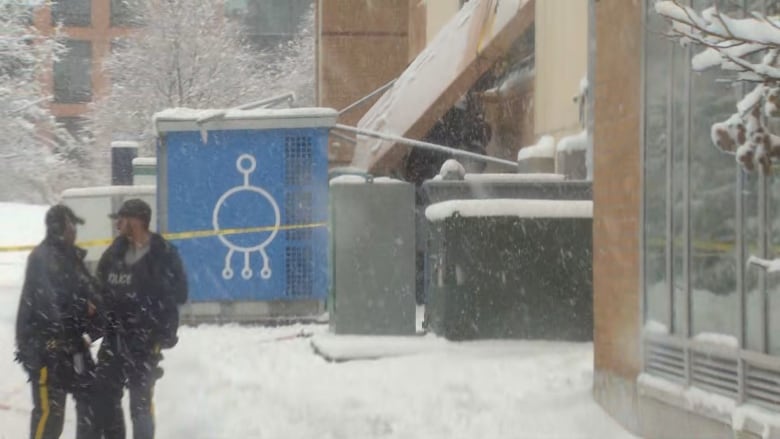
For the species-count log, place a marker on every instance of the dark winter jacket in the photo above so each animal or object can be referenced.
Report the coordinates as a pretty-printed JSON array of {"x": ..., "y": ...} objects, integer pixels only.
[
  {"x": 53, "y": 311},
  {"x": 141, "y": 301}
]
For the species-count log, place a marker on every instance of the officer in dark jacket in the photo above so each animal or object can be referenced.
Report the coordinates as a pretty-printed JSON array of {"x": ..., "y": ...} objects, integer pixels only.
[
  {"x": 144, "y": 282},
  {"x": 52, "y": 325}
]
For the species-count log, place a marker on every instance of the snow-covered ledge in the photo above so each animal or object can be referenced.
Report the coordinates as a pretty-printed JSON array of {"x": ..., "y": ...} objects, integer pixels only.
[
  {"x": 770, "y": 265},
  {"x": 745, "y": 417}
]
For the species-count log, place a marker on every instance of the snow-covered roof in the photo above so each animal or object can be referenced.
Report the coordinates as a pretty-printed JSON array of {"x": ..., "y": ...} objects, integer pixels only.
[
  {"x": 511, "y": 207},
  {"x": 124, "y": 144},
  {"x": 102, "y": 191},
  {"x": 188, "y": 119},
  {"x": 465, "y": 48},
  {"x": 145, "y": 161}
]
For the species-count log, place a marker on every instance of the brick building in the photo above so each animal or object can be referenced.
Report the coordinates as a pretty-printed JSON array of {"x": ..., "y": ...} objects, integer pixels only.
[{"x": 91, "y": 28}]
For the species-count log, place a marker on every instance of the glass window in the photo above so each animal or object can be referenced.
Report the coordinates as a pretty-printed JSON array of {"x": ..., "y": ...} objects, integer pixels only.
[
  {"x": 269, "y": 22},
  {"x": 127, "y": 13},
  {"x": 773, "y": 279},
  {"x": 680, "y": 67},
  {"x": 713, "y": 189},
  {"x": 713, "y": 211},
  {"x": 750, "y": 238},
  {"x": 71, "y": 12},
  {"x": 73, "y": 73},
  {"x": 657, "y": 293}
]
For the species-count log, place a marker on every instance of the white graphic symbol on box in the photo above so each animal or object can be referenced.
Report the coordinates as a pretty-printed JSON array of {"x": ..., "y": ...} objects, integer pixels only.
[{"x": 246, "y": 164}]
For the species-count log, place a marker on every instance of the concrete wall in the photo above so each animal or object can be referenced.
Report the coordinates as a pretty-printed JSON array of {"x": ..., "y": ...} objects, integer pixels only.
[
  {"x": 561, "y": 63},
  {"x": 616, "y": 213}
]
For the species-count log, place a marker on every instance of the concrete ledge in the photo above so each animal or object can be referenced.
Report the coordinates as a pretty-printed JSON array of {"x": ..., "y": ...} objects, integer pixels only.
[
  {"x": 273, "y": 312},
  {"x": 661, "y": 420},
  {"x": 618, "y": 397},
  {"x": 671, "y": 410}
]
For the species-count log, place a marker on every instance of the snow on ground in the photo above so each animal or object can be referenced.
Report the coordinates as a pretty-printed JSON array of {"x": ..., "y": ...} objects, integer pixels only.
[
  {"x": 24, "y": 227},
  {"x": 240, "y": 381}
]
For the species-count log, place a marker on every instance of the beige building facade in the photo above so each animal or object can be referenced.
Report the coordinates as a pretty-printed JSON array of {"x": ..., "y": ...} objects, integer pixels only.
[{"x": 561, "y": 65}]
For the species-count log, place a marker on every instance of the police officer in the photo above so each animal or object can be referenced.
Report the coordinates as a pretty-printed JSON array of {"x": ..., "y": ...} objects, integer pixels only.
[
  {"x": 144, "y": 282},
  {"x": 52, "y": 325}
]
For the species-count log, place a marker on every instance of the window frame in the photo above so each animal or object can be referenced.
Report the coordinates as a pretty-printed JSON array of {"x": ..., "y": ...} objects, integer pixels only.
[
  {"x": 67, "y": 18},
  {"x": 744, "y": 358},
  {"x": 74, "y": 97}
]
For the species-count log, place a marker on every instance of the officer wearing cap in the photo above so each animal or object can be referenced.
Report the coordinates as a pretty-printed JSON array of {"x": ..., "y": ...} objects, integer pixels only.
[
  {"x": 144, "y": 282},
  {"x": 55, "y": 311}
]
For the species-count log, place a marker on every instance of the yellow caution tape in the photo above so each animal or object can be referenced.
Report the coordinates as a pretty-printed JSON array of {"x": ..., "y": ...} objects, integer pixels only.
[
  {"x": 698, "y": 246},
  {"x": 180, "y": 236}
]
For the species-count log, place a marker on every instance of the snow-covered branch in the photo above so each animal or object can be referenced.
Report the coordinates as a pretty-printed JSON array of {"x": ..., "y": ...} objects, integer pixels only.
[
  {"x": 35, "y": 152},
  {"x": 189, "y": 55},
  {"x": 748, "y": 48}
]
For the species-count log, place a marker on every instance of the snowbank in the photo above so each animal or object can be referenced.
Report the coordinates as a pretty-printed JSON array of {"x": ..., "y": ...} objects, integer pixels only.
[
  {"x": 511, "y": 207},
  {"x": 545, "y": 148},
  {"x": 258, "y": 382}
]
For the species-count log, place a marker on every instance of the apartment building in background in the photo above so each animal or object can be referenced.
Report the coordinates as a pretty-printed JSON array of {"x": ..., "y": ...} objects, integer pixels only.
[{"x": 93, "y": 28}]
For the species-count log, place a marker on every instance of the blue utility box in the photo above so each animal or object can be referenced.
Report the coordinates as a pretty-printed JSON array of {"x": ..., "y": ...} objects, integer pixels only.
[{"x": 244, "y": 196}]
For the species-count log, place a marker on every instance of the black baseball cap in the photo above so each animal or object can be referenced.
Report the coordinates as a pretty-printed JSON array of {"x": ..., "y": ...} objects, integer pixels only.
[
  {"x": 58, "y": 214},
  {"x": 134, "y": 208}
]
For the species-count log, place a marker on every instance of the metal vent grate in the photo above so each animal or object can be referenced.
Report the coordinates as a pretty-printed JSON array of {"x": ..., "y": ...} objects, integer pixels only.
[
  {"x": 665, "y": 361},
  {"x": 298, "y": 209},
  {"x": 299, "y": 269},
  {"x": 298, "y": 160},
  {"x": 716, "y": 374},
  {"x": 762, "y": 386}
]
